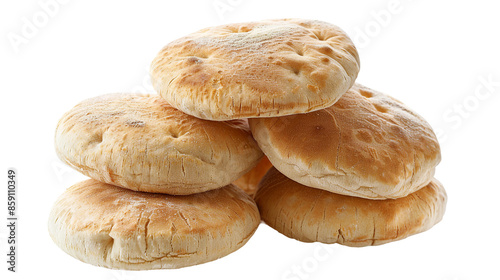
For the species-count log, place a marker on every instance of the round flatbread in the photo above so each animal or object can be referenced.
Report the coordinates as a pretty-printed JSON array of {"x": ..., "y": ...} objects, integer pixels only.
[
  {"x": 113, "y": 227},
  {"x": 314, "y": 215},
  {"x": 367, "y": 144},
  {"x": 142, "y": 143},
  {"x": 256, "y": 69}
]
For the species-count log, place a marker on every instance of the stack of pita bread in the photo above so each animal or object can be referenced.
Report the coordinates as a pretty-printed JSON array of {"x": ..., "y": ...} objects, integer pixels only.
[{"x": 251, "y": 120}]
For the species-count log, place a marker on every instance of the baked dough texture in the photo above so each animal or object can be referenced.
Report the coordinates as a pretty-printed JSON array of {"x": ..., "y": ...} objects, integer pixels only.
[
  {"x": 256, "y": 69},
  {"x": 140, "y": 142},
  {"x": 314, "y": 215},
  {"x": 367, "y": 144},
  {"x": 250, "y": 180},
  {"x": 113, "y": 227}
]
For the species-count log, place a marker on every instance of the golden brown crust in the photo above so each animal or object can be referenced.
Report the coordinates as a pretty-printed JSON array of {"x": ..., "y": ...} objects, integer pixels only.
[
  {"x": 109, "y": 226},
  {"x": 140, "y": 142},
  {"x": 367, "y": 144},
  {"x": 310, "y": 214},
  {"x": 250, "y": 180},
  {"x": 256, "y": 69}
]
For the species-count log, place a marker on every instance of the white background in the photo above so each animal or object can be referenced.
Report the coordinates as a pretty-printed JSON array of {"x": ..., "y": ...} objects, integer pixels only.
[{"x": 436, "y": 56}]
